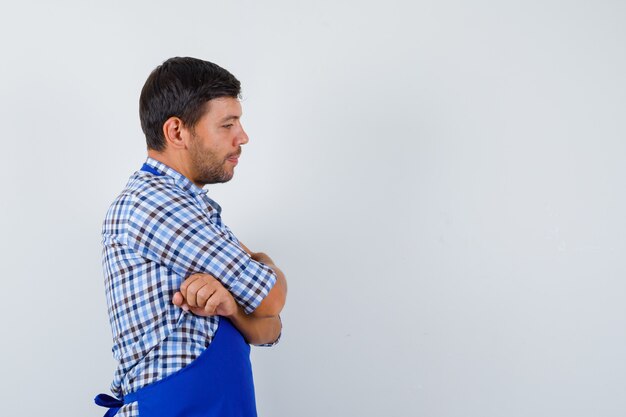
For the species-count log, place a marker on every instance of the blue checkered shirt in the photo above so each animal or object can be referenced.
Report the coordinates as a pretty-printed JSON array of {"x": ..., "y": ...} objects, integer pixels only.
[{"x": 157, "y": 232}]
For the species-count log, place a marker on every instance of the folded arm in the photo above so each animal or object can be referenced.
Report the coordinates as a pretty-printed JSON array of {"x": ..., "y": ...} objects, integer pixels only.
[
  {"x": 206, "y": 296},
  {"x": 183, "y": 241}
]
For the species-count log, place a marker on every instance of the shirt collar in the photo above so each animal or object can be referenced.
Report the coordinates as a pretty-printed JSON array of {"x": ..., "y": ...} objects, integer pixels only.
[{"x": 179, "y": 179}]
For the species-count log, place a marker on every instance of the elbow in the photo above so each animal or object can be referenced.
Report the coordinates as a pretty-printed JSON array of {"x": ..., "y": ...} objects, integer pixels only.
[
  {"x": 273, "y": 304},
  {"x": 270, "y": 306},
  {"x": 270, "y": 334}
]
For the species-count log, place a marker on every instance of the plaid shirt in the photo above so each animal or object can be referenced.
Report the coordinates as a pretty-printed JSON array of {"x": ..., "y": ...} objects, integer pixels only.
[{"x": 158, "y": 231}]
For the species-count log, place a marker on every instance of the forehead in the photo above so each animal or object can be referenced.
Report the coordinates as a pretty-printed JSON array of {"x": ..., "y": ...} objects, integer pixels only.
[{"x": 222, "y": 108}]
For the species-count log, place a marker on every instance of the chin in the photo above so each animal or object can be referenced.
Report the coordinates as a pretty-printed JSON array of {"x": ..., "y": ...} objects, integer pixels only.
[{"x": 220, "y": 180}]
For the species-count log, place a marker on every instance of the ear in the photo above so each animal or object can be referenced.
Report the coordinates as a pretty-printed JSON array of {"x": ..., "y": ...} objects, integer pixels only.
[{"x": 175, "y": 133}]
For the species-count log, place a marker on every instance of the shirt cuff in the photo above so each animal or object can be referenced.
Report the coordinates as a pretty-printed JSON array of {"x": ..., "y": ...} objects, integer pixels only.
[{"x": 252, "y": 285}]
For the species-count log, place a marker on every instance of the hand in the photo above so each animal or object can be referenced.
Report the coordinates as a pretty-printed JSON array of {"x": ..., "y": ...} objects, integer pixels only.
[{"x": 205, "y": 296}]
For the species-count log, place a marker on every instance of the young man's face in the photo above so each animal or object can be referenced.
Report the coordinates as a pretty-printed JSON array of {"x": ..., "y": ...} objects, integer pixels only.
[{"x": 215, "y": 143}]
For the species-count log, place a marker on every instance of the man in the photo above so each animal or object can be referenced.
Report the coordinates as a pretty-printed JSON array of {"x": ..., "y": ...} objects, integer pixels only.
[{"x": 182, "y": 344}]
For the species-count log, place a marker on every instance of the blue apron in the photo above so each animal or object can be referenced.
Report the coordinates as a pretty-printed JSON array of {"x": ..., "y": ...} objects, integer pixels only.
[{"x": 217, "y": 383}]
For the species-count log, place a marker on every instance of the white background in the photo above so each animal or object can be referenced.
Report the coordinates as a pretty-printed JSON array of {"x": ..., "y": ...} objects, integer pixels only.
[{"x": 441, "y": 181}]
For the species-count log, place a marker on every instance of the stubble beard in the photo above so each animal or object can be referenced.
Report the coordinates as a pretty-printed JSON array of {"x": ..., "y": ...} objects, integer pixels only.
[{"x": 209, "y": 168}]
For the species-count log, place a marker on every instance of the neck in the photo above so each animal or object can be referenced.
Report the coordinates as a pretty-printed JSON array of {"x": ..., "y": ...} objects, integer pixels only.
[{"x": 173, "y": 161}]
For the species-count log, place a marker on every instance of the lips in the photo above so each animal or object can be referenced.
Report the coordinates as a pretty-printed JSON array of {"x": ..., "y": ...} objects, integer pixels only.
[{"x": 234, "y": 157}]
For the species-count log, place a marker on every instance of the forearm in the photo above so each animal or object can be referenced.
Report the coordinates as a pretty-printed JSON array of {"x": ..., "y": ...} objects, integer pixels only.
[
  {"x": 205, "y": 296},
  {"x": 256, "y": 330},
  {"x": 273, "y": 304},
  {"x": 280, "y": 277}
]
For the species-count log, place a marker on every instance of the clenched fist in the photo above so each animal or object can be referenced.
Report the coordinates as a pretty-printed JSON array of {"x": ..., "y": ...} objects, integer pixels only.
[{"x": 205, "y": 296}]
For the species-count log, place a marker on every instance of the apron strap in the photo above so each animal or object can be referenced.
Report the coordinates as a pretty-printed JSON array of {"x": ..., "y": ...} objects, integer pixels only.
[
  {"x": 151, "y": 170},
  {"x": 112, "y": 403}
]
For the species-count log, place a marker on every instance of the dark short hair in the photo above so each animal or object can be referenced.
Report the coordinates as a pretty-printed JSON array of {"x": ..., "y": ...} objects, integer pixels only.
[{"x": 181, "y": 87}]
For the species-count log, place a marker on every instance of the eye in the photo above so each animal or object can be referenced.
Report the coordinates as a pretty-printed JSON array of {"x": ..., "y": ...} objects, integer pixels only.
[{"x": 228, "y": 126}]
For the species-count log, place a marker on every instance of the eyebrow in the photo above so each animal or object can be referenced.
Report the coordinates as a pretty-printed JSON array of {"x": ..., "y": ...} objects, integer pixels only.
[{"x": 229, "y": 118}]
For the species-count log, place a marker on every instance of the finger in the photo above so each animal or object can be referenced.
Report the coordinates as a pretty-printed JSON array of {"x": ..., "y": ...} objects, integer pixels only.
[
  {"x": 196, "y": 288},
  {"x": 229, "y": 306},
  {"x": 210, "y": 308},
  {"x": 189, "y": 280},
  {"x": 192, "y": 292},
  {"x": 219, "y": 297},
  {"x": 204, "y": 294},
  {"x": 178, "y": 299}
]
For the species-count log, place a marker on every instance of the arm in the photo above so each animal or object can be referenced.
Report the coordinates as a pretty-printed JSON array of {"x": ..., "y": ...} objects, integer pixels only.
[
  {"x": 257, "y": 330},
  {"x": 205, "y": 296},
  {"x": 180, "y": 238},
  {"x": 274, "y": 302}
]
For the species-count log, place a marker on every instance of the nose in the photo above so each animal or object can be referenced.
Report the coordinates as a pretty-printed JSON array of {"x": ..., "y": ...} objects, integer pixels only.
[{"x": 242, "y": 138}]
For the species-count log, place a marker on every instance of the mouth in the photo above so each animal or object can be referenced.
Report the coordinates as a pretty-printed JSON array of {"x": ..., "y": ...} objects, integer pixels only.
[{"x": 234, "y": 158}]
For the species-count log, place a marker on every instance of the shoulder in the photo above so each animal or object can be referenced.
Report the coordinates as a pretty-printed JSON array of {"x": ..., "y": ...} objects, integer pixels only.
[
  {"x": 160, "y": 199},
  {"x": 146, "y": 192},
  {"x": 146, "y": 189}
]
